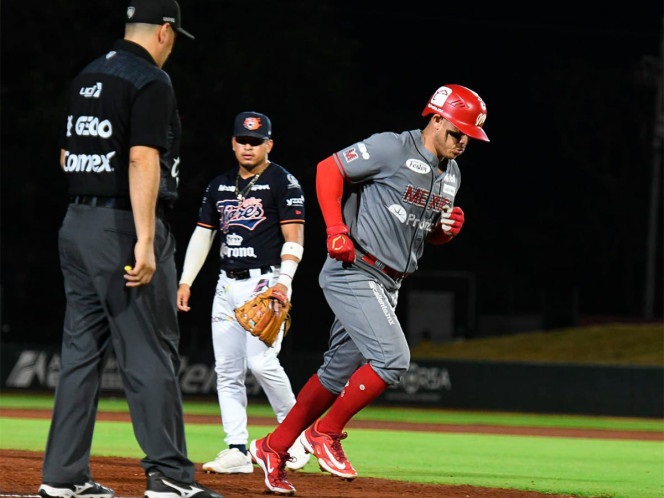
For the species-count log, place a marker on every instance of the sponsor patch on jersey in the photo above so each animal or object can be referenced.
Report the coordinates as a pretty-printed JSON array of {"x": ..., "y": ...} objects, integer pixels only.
[
  {"x": 237, "y": 252},
  {"x": 449, "y": 189},
  {"x": 399, "y": 211},
  {"x": 88, "y": 163},
  {"x": 295, "y": 201},
  {"x": 89, "y": 126},
  {"x": 449, "y": 178},
  {"x": 292, "y": 181},
  {"x": 364, "y": 151},
  {"x": 233, "y": 239},
  {"x": 350, "y": 155},
  {"x": 418, "y": 166},
  {"x": 91, "y": 92}
]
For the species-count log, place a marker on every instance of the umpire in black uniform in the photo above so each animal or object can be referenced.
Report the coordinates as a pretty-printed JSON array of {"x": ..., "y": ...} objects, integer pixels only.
[{"x": 120, "y": 156}]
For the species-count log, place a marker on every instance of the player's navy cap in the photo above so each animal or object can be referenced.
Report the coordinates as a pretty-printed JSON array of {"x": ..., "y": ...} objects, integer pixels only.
[
  {"x": 252, "y": 124},
  {"x": 157, "y": 12}
]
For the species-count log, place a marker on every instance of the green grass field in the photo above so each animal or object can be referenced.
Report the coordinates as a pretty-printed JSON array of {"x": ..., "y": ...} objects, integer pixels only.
[{"x": 576, "y": 466}]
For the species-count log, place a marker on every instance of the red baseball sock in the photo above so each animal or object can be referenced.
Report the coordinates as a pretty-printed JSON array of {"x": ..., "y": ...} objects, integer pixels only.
[
  {"x": 312, "y": 401},
  {"x": 363, "y": 387}
]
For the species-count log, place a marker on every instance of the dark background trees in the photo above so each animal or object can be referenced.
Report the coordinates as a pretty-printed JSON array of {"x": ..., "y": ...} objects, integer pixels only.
[{"x": 559, "y": 205}]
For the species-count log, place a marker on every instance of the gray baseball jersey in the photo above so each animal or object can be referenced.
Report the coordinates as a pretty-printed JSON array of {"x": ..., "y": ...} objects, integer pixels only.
[{"x": 398, "y": 195}]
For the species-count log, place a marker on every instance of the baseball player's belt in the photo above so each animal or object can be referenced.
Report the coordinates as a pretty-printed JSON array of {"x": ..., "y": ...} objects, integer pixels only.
[
  {"x": 122, "y": 203},
  {"x": 371, "y": 260},
  {"x": 248, "y": 272}
]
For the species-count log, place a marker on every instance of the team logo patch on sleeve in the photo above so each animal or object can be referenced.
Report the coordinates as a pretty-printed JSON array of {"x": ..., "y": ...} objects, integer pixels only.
[{"x": 350, "y": 155}]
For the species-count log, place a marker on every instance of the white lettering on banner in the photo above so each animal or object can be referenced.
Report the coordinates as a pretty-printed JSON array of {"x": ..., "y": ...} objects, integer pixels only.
[
  {"x": 86, "y": 163},
  {"x": 198, "y": 378},
  {"x": 419, "y": 378},
  {"x": 70, "y": 124},
  {"x": 29, "y": 366},
  {"x": 91, "y": 126},
  {"x": 34, "y": 366},
  {"x": 41, "y": 369}
]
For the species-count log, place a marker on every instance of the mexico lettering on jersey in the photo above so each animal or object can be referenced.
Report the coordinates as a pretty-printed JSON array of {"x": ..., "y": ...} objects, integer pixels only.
[
  {"x": 250, "y": 229},
  {"x": 398, "y": 195}
]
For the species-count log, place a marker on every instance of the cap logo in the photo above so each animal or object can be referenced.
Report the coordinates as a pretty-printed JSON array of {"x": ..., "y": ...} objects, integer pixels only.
[
  {"x": 252, "y": 123},
  {"x": 130, "y": 12},
  {"x": 481, "y": 118},
  {"x": 169, "y": 19}
]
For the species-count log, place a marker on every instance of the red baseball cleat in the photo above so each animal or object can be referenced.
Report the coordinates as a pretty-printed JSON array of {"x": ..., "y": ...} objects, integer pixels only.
[
  {"x": 273, "y": 464},
  {"x": 327, "y": 448}
]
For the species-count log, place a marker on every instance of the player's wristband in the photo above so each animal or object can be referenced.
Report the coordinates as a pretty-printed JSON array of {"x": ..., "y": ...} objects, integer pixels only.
[
  {"x": 287, "y": 272},
  {"x": 293, "y": 249}
]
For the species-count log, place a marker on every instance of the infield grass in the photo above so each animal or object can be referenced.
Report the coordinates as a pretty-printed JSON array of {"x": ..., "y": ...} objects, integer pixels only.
[{"x": 577, "y": 466}]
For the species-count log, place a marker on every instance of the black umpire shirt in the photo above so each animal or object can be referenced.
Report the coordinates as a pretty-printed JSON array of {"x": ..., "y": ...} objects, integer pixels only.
[{"x": 120, "y": 100}]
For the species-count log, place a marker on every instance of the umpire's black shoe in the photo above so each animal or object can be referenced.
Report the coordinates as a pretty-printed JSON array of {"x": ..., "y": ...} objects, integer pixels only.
[
  {"x": 88, "y": 489},
  {"x": 160, "y": 486}
]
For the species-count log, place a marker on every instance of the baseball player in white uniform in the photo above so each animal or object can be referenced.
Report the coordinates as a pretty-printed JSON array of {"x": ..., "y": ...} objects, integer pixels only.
[{"x": 257, "y": 208}]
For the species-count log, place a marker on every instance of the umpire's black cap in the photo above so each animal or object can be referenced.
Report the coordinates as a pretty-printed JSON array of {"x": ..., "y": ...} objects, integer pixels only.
[
  {"x": 157, "y": 12},
  {"x": 252, "y": 124}
]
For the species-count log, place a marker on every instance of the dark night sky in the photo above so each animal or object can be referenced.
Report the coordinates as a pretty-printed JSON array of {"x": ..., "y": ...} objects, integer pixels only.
[{"x": 556, "y": 204}]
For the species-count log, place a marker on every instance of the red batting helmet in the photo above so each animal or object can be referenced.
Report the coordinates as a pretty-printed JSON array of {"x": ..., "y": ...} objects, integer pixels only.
[{"x": 460, "y": 106}]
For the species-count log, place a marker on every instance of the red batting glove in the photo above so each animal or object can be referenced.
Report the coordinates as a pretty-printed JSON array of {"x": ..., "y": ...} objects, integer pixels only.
[
  {"x": 339, "y": 245},
  {"x": 453, "y": 221}
]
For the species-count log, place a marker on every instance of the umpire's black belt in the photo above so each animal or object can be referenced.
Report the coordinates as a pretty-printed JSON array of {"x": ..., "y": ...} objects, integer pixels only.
[
  {"x": 371, "y": 260},
  {"x": 248, "y": 272},
  {"x": 123, "y": 203}
]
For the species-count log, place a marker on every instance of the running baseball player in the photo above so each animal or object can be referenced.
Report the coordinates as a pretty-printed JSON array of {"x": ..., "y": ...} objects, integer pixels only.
[
  {"x": 257, "y": 208},
  {"x": 381, "y": 198}
]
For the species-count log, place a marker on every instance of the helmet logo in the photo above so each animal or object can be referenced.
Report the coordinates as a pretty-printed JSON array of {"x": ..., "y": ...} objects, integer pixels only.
[
  {"x": 481, "y": 118},
  {"x": 440, "y": 96}
]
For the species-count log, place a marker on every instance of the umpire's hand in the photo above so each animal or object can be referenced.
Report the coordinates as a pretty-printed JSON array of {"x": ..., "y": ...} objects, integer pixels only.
[{"x": 144, "y": 268}]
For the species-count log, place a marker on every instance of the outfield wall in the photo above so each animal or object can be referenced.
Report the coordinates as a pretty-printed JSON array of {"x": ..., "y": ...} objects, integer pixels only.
[{"x": 500, "y": 386}]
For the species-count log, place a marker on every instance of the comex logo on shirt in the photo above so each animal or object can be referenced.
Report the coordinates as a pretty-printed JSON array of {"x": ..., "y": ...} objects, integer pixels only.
[{"x": 91, "y": 92}]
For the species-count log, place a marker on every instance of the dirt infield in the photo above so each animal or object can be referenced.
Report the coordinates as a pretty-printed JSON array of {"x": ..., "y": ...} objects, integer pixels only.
[{"x": 20, "y": 471}]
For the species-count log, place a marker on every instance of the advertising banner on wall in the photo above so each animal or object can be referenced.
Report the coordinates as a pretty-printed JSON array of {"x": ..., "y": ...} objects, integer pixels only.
[{"x": 455, "y": 384}]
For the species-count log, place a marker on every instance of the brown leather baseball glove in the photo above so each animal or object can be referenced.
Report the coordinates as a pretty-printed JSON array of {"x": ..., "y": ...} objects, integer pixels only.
[{"x": 264, "y": 314}]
